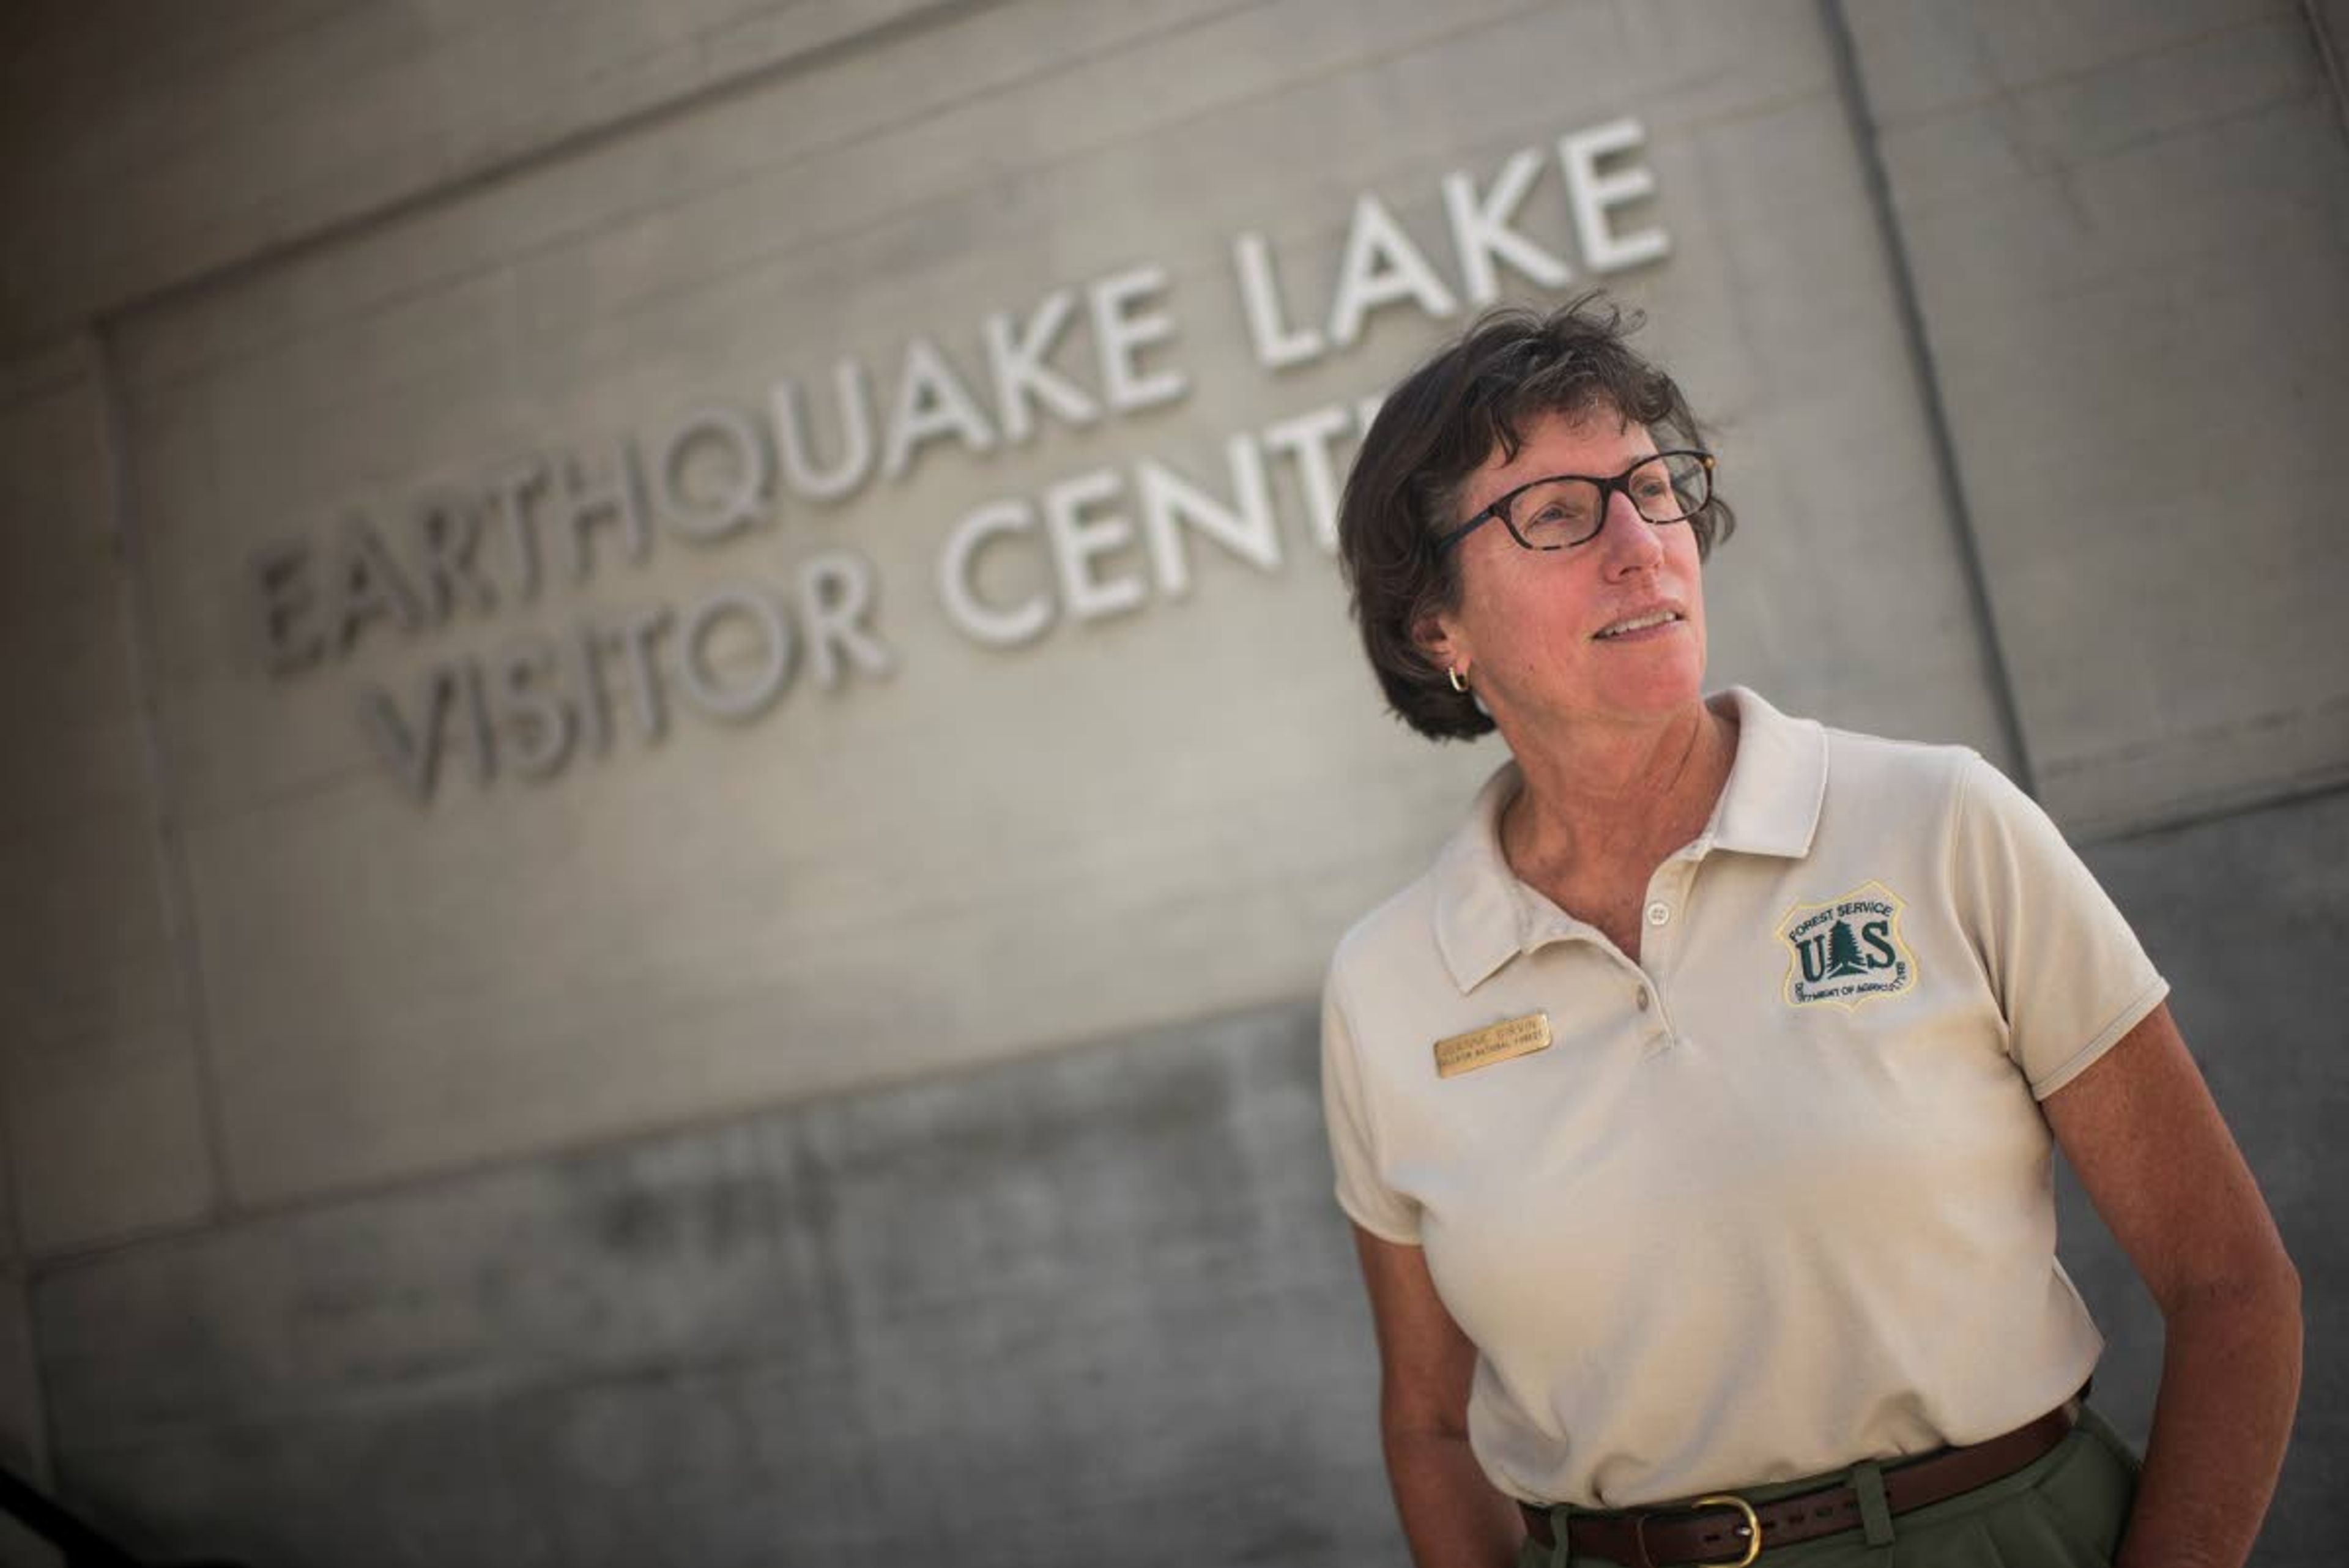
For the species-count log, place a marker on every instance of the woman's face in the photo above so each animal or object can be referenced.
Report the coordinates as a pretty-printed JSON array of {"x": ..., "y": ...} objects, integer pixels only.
[{"x": 1542, "y": 635}]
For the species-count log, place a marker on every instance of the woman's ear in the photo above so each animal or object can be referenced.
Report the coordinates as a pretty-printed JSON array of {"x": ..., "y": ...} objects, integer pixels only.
[{"x": 1438, "y": 640}]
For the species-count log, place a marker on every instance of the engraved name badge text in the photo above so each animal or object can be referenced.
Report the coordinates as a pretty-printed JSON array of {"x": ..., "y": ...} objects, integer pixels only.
[{"x": 1503, "y": 1041}]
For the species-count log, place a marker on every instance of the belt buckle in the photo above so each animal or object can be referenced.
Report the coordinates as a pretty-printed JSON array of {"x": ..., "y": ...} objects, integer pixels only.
[{"x": 1753, "y": 1528}]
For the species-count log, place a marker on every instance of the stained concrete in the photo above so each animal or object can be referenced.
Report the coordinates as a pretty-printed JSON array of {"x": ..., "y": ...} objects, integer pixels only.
[
  {"x": 1093, "y": 1307},
  {"x": 2247, "y": 916}
]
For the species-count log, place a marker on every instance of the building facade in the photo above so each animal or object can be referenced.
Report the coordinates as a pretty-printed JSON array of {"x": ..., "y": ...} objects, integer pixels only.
[{"x": 684, "y": 745}]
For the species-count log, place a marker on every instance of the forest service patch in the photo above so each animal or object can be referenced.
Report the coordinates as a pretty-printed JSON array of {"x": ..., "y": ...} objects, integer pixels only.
[{"x": 1848, "y": 950}]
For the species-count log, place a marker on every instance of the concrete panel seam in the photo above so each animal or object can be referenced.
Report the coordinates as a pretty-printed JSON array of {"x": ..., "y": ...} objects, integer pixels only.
[
  {"x": 2072, "y": 77},
  {"x": 566, "y": 237},
  {"x": 2328, "y": 58},
  {"x": 2277, "y": 800},
  {"x": 585, "y": 140},
  {"x": 175, "y": 881},
  {"x": 1860, "y": 114},
  {"x": 742, "y": 1115}
]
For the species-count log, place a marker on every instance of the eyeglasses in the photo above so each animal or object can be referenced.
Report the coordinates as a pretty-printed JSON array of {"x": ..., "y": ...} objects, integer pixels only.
[{"x": 1568, "y": 509}]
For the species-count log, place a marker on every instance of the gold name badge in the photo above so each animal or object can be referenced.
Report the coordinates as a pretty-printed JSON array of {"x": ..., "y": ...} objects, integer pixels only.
[{"x": 1493, "y": 1042}]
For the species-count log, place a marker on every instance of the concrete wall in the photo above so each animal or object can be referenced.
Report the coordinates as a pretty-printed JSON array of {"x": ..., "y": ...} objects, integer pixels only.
[
  {"x": 2124, "y": 223},
  {"x": 104, "y": 1090},
  {"x": 99, "y": 1101},
  {"x": 1088, "y": 1309},
  {"x": 162, "y": 146},
  {"x": 24, "y": 1425},
  {"x": 2262, "y": 1014},
  {"x": 888, "y": 1122},
  {"x": 453, "y": 1013}
]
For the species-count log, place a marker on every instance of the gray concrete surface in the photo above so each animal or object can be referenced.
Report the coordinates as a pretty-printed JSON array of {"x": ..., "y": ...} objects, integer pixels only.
[
  {"x": 1093, "y": 1307},
  {"x": 173, "y": 142},
  {"x": 2247, "y": 916},
  {"x": 97, "y": 1062},
  {"x": 2129, "y": 226},
  {"x": 23, "y": 1424},
  {"x": 978, "y": 805},
  {"x": 24, "y": 1438}
]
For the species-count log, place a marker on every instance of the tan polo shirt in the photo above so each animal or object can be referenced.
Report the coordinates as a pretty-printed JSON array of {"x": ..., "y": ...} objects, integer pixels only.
[{"x": 1777, "y": 1198}]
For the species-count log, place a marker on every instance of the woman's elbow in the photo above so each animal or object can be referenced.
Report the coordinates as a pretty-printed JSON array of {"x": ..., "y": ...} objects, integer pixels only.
[
  {"x": 2264, "y": 1283},
  {"x": 1407, "y": 1414}
]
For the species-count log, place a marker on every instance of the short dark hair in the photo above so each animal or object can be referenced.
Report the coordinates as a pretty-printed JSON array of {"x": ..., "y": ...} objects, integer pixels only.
[{"x": 1471, "y": 399}]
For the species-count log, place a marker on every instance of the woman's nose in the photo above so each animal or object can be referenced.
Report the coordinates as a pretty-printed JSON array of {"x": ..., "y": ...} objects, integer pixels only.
[{"x": 1629, "y": 539}]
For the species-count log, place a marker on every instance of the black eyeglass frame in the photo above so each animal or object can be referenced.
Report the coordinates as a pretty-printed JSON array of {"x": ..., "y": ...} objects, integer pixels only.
[{"x": 1606, "y": 489}]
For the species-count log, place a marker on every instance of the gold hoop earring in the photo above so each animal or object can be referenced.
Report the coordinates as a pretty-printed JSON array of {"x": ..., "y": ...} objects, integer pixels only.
[{"x": 1457, "y": 684}]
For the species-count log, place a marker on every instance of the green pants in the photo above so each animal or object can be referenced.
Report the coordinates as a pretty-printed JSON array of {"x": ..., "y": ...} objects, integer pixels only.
[{"x": 2064, "y": 1510}]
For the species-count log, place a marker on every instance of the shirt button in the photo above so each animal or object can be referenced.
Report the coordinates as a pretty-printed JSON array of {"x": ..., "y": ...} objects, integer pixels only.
[
  {"x": 1659, "y": 912},
  {"x": 1644, "y": 998}
]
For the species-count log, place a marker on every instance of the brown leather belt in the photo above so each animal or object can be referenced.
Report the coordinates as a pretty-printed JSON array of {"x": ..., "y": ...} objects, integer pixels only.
[{"x": 1724, "y": 1532}]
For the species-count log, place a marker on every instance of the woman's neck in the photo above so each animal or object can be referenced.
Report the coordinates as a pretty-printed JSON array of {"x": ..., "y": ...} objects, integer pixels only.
[{"x": 1602, "y": 799}]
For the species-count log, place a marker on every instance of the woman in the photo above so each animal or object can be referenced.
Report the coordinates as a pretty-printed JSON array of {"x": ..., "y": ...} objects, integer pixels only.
[{"x": 1693, "y": 1112}]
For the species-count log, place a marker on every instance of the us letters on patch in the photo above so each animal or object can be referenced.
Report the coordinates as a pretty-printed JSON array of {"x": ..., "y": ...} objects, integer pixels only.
[{"x": 1847, "y": 951}]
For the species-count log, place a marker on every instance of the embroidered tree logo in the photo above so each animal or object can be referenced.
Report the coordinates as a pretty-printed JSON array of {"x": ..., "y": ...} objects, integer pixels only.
[
  {"x": 1843, "y": 952},
  {"x": 1847, "y": 951}
]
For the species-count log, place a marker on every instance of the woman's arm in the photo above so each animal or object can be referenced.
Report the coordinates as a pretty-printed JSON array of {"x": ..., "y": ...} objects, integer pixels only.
[
  {"x": 1450, "y": 1514},
  {"x": 2150, "y": 1146}
]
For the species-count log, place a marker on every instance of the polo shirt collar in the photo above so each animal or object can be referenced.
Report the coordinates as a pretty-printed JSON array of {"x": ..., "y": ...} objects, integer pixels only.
[
  {"x": 1770, "y": 805},
  {"x": 1480, "y": 914},
  {"x": 1777, "y": 785}
]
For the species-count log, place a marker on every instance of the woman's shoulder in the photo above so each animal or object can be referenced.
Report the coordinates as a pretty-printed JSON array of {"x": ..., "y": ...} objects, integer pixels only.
[
  {"x": 1877, "y": 783},
  {"x": 1861, "y": 760},
  {"x": 1789, "y": 741},
  {"x": 1464, "y": 892},
  {"x": 1854, "y": 777},
  {"x": 1398, "y": 928}
]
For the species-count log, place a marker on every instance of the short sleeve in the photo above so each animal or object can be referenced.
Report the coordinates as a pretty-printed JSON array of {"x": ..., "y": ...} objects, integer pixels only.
[
  {"x": 2070, "y": 975},
  {"x": 1369, "y": 1201}
]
